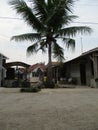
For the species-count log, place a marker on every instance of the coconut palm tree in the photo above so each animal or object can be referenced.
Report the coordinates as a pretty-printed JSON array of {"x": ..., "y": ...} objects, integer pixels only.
[{"x": 50, "y": 19}]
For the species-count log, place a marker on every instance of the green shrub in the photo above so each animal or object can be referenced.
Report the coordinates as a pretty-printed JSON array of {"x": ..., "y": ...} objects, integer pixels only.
[
  {"x": 48, "y": 84},
  {"x": 25, "y": 84},
  {"x": 34, "y": 90},
  {"x": 20, "y": 83},
  {"x": 15, "y": 84}
]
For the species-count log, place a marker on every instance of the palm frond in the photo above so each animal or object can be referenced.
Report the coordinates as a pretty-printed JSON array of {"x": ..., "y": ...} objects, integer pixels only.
[
  {"x": 40, "y": 9},
  {"x": 68, "y": 19},
  {"x": 55, "y": 19},
  {"x": 58, "y": 13},
  {"x": 70, "y": 43},
  {"x": 58, "y": 52},
  {"x": 32, "y": 49},
  {"x": 55, "y": 14},
  {"x": 23, "y": 9},
  {"x": 67, "y": 5},
  {"x": 72, "y": 31},
  {"x": 27, "y": 37},
  {"x": 43, "y": 46}
]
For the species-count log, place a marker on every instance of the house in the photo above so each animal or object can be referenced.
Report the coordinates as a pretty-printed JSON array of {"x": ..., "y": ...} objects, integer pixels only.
[
  {"x": 2, "y": 68},
  {"x": 36, "y": 72},
  {"x": 15, "y": 72},
  {"x": 83, "y": 69}
]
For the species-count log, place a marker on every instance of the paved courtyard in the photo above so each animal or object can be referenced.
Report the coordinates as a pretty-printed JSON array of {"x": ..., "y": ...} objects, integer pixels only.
[{"x": 50, "y": 109}]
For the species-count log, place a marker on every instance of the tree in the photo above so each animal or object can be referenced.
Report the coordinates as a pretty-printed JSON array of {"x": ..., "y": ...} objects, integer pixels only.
[{"x": 50, "y": 19}]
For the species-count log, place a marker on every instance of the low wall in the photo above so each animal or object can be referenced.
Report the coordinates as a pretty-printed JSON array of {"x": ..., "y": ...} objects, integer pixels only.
[
  {"x": 93, "y": 83},
  {"x": 8, "y": 83}
]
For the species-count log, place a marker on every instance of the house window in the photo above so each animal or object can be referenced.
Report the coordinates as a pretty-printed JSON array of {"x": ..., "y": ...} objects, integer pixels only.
[{"x": 33, "y": 74}]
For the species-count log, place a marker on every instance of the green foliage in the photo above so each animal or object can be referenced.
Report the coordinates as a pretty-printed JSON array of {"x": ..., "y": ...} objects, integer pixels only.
[
  {"x": 19, "y": 83},
  {"x": 25, "y": 84},
  {"x": 27, "y": 37},
  {"x": 58, "y": 52},
  {"x": 15, "y": 84},
  {"x": 30, "y": 90},
  {"x": 48, "y": 84}
]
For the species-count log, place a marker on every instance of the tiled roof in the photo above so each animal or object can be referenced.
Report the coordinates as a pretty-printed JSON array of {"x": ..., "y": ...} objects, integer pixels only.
[
  {"x": 35, "y": 66},
  {"x": 90, "y": 51},
  {"x": 54, "y": 64}
]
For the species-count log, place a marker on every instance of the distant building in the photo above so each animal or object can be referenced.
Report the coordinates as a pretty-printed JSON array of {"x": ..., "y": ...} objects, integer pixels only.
[
  {"x": 36, "y": 72},
  {"x": 2, "y": 68},
  {"x": 83, "y": 69},
  {"x": 16, "y": 70}
]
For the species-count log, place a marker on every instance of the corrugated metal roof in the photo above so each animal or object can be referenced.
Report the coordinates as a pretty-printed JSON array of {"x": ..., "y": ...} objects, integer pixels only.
[
  {"x": 84, "y": 54},
  {"x": 4, "y": 57}
]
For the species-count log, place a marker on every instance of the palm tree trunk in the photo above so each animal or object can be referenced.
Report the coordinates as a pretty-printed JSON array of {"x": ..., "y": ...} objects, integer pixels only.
[{"x": 49, "y": 74}]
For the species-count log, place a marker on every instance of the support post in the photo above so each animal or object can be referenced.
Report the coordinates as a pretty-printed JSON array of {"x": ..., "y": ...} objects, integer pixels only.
[
  {"x": 0, "y": 69},
  {"x": 95, "y": 64}
]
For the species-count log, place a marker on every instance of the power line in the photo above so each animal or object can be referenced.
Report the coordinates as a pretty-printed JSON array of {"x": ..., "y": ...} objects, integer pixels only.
[
  {"x": 88, "y": 5},
  {"x": 3, "y": 38},
  {"x": 86, "y": 23},
  {"x": 10, "y": 18}
]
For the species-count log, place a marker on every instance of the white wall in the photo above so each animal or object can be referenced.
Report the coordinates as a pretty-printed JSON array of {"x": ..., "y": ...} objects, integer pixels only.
[
  {"x": 31, "y": 78},
  {"x": 74, "y": 69}
]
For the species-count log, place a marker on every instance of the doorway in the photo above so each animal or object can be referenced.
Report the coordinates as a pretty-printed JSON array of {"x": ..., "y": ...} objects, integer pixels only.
[{"x": 83, "y": 74}]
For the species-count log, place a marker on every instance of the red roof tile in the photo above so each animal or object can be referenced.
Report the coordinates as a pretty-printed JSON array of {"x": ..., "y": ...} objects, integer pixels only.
[{"x": 37, "y": 65}]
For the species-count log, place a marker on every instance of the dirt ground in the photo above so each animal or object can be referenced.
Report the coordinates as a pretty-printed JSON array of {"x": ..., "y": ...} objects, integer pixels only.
[{"x": 50, "y": 109}]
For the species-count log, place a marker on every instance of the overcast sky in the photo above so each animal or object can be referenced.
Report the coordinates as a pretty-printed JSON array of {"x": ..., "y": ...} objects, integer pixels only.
[{"x": 86, "y": 10}]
